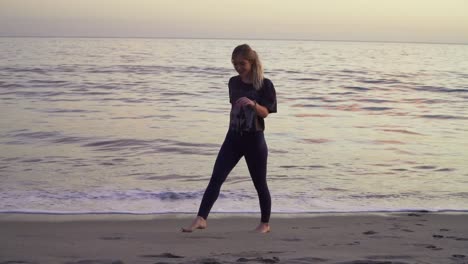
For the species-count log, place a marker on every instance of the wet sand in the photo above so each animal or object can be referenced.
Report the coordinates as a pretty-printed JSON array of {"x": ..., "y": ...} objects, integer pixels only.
[{"x": 302, "y": 238}]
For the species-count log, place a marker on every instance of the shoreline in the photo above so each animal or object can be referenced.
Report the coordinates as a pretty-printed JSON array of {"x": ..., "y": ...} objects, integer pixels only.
[
  {"x": 397, "y": 238},
  {"x": 105, "y": 216}
]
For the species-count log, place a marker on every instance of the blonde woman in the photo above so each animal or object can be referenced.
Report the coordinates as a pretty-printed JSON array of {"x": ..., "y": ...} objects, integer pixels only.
[{"x": 252, "y": 98}]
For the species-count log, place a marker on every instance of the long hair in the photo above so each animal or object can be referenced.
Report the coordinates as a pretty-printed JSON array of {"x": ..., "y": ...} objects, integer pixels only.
[{"x": 251, "y": 55}]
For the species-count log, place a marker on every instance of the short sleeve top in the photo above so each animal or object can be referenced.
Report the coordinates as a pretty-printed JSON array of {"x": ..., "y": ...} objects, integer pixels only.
[{"x": 245, "y": 118}]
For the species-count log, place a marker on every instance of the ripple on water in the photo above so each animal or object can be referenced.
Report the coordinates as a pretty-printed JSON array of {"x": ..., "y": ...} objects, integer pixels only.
[
  {"x": 401, "y": 131},
  {"x": 316, "y": 140},
  {"x": 444, "y": 117}
]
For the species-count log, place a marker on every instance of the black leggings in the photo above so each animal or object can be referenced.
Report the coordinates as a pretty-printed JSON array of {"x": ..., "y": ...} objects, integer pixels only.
[{"x": 254, "y": 148}]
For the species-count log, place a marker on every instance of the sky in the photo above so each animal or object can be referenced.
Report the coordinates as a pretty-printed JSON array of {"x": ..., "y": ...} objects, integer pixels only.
[{"x": 438, "y": 21}]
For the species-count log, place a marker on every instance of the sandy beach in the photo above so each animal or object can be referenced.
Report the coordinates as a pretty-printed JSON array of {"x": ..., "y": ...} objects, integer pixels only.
[{"x": 304, "y": 238}]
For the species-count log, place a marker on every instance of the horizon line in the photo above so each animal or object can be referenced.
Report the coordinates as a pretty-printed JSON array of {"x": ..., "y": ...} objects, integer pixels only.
[{"x": 214, "y": 38}]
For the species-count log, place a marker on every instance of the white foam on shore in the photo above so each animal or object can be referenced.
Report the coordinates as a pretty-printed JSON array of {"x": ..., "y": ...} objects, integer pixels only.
[{"x": 226, "y": 212}]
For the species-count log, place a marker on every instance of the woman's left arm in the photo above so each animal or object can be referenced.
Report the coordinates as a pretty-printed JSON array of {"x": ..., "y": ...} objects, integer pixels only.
[{"x": 261, "y": 110}]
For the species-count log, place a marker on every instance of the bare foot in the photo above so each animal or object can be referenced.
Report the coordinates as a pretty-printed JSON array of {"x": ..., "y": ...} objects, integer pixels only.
[
  {"x": 262, "y": 228},
  {"x": 198, "y": 223}
]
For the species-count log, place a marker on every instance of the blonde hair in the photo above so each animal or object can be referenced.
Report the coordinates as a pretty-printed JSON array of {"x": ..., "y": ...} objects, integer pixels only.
[{"x": 251, "y": 55}]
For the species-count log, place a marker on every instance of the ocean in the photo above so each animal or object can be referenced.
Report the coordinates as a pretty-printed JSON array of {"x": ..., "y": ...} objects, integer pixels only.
[{"x": 133, "y": 126}]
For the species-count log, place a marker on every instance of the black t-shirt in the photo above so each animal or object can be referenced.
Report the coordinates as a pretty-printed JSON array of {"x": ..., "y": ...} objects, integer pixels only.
[{"x": 245, "y": 118}]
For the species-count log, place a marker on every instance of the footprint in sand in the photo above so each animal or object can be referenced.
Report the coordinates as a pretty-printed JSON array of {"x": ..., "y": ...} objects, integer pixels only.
[
  {"x": 428, "y": 246},
  {"x": 206, "y": 237},
  {"x": 452, "y": 237},
  {"x": 259, "y": 259},
  {"x": 306, "y": 260},
  {"x": 433, "y": 247},
  {"x": 95, "y": 261},
  {"x": 291, "y": 239},
  {"x": 371, "y": 262},
  {"x": 407, "y": 230},
  {"x": 208, "y": 261},
  {"x": 388, "y": 257},
  {"x": 17, "y": 262},
  {"x": 112, "y": 238},
  {"x": 163, "y": 255}
]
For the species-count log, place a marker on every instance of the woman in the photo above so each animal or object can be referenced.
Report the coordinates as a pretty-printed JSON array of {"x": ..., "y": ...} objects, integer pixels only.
[{"x": 252, "y": 97}]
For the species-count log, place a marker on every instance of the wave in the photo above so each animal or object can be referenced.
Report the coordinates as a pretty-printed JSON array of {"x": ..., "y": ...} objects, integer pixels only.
[
  {"x": 447, "y": 117},
  {"x": 357, "y": 88},
  {"x": 440, "y": 89},
  {"x": 120, "y": 144},
  {"x": 138, "y": 201},
  {"x": 379, "y": 81},
  {"x": 305, "y": 79}
]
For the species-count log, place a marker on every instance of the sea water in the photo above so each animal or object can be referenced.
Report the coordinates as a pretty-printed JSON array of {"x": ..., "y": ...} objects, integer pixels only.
[{"x": 116, "y": 125}]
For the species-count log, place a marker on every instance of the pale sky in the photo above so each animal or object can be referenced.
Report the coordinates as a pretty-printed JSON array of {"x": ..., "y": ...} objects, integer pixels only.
[{"x": 442, "y": 21}]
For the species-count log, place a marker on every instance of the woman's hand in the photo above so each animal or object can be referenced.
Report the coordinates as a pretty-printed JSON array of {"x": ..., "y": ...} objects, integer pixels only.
[
  {"x": 244, "y": 101},
  {"x": 259, "y": 109}
]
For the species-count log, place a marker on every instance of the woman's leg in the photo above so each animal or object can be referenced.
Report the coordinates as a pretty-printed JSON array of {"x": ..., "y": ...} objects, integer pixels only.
[
  {"x": 228, "y": 156},
  {"x": 256, "y": 155}
]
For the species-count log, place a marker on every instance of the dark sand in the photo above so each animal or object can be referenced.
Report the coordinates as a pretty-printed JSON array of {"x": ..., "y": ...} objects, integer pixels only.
[{"x": 304, "y": 238}]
